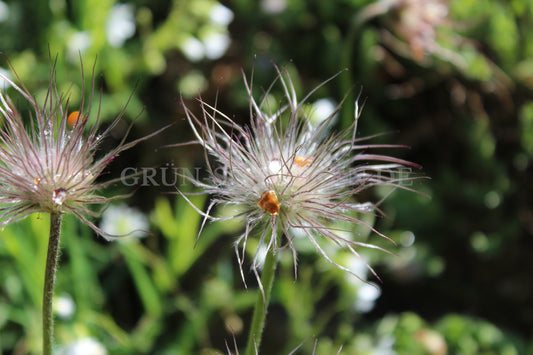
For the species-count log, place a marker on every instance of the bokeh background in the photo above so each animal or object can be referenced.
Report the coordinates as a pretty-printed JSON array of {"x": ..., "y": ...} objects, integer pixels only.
[{"x": 453, "y": 80}]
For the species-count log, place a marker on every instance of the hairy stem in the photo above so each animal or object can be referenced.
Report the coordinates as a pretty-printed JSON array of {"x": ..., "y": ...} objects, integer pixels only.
[
  {"x": 261, "y": 303},
  {"x": 49, "y": 279}
]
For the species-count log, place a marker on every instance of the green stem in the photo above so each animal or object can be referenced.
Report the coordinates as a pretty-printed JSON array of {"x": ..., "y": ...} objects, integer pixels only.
[
  {"x": 49, "y": 279},
  {"x": 261, "y": 303},
  {"x": 354, "y": 32},
  {"x": 346, "y": 80}
]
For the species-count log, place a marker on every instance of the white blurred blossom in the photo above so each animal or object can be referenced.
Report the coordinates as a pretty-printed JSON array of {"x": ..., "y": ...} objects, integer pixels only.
[
  {"x": 221, "y": 15},
  {"x": 193, "y": 49},
  {"x": 78, "y": 43},
  {"x": 64, "y": 306},
  {"x": 120, "y": 24},
  {"x": 215, "y": 44},
  {"x": 321, "y": 110},
  {"x": 211, "y": 45},
  {"x": 123, "y": 220},
  {"x": 367, "y": 295},
  {"x": 83, "y": 346},
  {"x": 273, "y": 7}
]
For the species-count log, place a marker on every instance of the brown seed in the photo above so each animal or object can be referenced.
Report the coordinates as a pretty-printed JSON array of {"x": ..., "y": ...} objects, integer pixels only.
[{"x": 269, "y": 202}]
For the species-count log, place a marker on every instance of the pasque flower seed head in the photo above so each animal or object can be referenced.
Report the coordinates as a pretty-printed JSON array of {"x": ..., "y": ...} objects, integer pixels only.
[
  {"x": 49, "y": 163},
  {"x": 287, "y": 175}
]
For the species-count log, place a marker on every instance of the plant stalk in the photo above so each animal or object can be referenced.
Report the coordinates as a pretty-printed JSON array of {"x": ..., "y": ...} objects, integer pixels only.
[
  {"x": 261, "y": 303},
  {"x": 354, "y": 32},
  {"x": 49, "y": 280}
]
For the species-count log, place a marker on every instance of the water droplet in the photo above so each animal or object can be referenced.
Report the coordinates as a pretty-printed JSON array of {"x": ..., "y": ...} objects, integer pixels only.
[
  {"x": 59, "y": 196},
  {"x": 407, "y": 238},
  {"x": 36, "y": 183}
]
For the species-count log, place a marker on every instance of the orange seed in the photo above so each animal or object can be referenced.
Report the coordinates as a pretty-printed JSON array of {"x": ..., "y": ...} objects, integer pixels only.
[
  {"x": 74, "y": 117},
  {"x": 302, "y": 161}
]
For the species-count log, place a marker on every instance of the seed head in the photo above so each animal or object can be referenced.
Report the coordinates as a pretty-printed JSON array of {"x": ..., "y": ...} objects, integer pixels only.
[
  {"x": 49, "y": 163},
  {"x": 289, "y": 176},
  {"x": 416, "y": 22}
]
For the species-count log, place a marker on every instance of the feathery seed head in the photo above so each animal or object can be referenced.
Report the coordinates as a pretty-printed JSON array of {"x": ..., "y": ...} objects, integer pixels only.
[
  {"x": 288, "y": 175},
  {"x": 48, "y": 164}
]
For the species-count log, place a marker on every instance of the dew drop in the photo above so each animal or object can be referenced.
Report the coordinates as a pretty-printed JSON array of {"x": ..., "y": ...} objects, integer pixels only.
[
  {"x": 59, "y": 196},
  {"x": 36, "y": 183},
  {"x": 407, "y": 238}
]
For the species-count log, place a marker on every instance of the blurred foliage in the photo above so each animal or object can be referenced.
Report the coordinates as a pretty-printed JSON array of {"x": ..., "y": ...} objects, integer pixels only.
[{"x": 452, "y": 80}]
